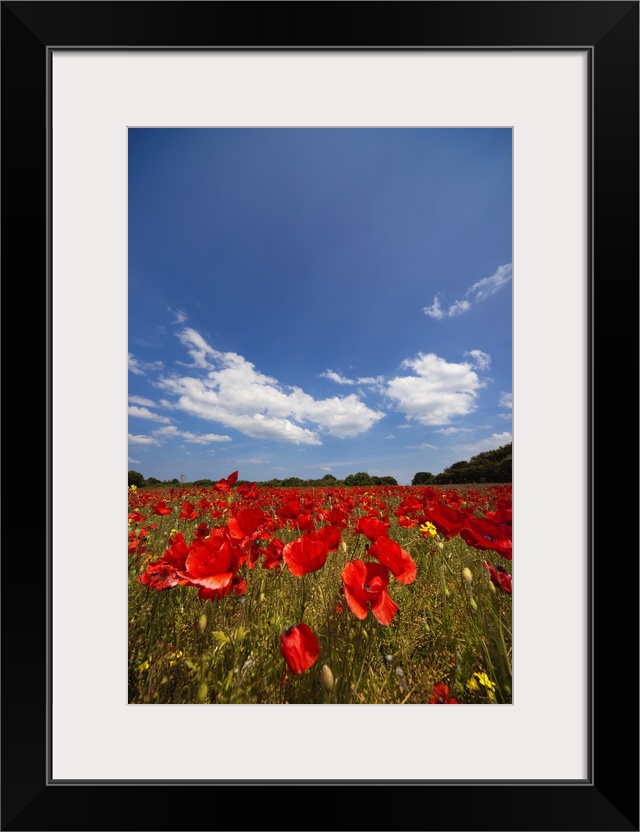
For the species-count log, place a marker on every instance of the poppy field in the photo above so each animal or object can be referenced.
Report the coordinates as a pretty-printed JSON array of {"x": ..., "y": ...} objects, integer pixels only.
[{"x": 241, "y": 594}]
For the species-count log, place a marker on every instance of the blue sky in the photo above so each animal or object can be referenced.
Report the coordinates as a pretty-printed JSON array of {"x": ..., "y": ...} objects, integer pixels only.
[{"x": 311, "y": 301}]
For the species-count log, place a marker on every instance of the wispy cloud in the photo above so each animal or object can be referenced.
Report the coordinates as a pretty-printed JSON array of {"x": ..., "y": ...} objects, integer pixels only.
[
  {"x": 506, "y": 400},
  {"x": 451, "y": 431},
  {"x": 482, "y": 360},
  {"x": 488, "y": 286},
  {"x": 141, "y": 368},
  {"x": 233, "y": 393},
  {"x": 145, "y": 413},
  {"x": 142, "y": 439},
  {"x": 480, "y": 291},
  {"x": 180, "y": 316},
  {"x": 436, "y": 392},
  {"x": 142, "y": 401},
  {"x": 172, "y": 432},
  {"x": 496, "y": 440},
  {"x": 372, "y": 382}
]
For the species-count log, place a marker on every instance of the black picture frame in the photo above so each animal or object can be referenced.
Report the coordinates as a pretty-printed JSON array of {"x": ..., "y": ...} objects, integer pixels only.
[{"x": 608, "y": 798}]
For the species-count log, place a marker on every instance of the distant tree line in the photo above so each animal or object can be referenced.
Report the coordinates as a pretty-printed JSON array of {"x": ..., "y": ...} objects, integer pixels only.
[
  {"x": 328, "y": 481},
  {"x": 489, "y": 466}
]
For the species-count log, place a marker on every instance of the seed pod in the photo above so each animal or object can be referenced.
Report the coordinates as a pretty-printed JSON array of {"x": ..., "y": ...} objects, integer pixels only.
[
  {"x": 326, "y": 678},
  {"x": 466, "y": 575}
]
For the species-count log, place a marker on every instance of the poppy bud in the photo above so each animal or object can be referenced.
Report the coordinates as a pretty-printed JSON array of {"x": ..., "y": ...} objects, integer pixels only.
[
  {"x": 343, "y": 546},
  {"x": 203, "y": 692},
  {"x": 466, "y": 575},
  {"x": 473, "y": 605},
  {"x": 202, "y": 623},
  {"x": 492, "y": 588},
  {"x": 326, "y": 678}
]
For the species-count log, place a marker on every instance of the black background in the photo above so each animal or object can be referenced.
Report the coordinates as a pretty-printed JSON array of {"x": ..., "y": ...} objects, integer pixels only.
[{"x": 608, "y": 800}]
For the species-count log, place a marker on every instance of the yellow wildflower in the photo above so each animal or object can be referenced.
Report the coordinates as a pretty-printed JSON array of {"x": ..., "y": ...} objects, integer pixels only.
[
  {"x": 428, "y": 528},
  {"x": 479, "y": 680}
]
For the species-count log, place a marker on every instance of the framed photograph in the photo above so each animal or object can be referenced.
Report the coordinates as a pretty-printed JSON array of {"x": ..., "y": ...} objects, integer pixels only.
[{"x": 92, "y": 93}]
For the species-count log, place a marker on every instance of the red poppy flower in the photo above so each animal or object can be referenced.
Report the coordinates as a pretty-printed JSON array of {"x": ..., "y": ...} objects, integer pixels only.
[
  {"x": 273, "y": 554},
  {"x": 371, "y": 527},
  {"x": 392, "y": 555},
  {"x": 290, "y": 510},
  {"x": 202, "y": 530},
  {"x": 248, "y": 491},
  {"x": 300, "y": 648},
  {"x": 188, "y": 511},
  {"x": 331, "y": 535},
  {"x": 500, "y": 578},
  {"x": 176, "y": 554},
  {"x": 213, "y": 561},
  {"x": 161, "y": 508},
  {"x": 447, "y": 520},
  {"x": 305, "y": 554},
  {"x": 159, "y": 575},
  {"x": 238, "y": 584},
  {"x": 336, "y": 517},
  {"x": 364, "y": 584},
  {"x": 441, "y": 695},
  {"x": 484, "y": 533},
  {"x": 225, "y": 484}
]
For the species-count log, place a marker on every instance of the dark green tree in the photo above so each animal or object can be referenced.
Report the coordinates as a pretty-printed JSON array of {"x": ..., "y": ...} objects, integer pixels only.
[
  {"x": 423, "y": 478},
  {"x": 361, "y": 478},
  {"x": 136, "y": 478}
]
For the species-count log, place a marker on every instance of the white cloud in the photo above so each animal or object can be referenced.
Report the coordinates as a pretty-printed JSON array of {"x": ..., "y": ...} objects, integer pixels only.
[
  {"x": 145, "y": 413},
  {"x": 203, "y": 438},
  {"x": 482, "y": 359},
  {"x": 372, "y": 382},
  {"x": 134, "y": 461},
  {"x": 336, "y": 377},
  {"x": 437, "y": 392},
  {"x": 506, "y": 400},
  {"x": 451, "y": 431},
  {"x": 141, "y": 401},
  {"x": 141, "y": 439},
  {"x": 140, "y": 368},
  {"x": 488, "y": 286},
  {"x": 481, "y": 290},
  {"x": 181, "y": 316},
  {"x": 496, "y": 440},
  {"x": 237, "y": 395},
  {"x": 134, "y": 366},
  {"x": 172, "y": 432},
  {"x": 389, "y": 436},
  {"x": 198, "y": 348},
  {"x": 436, "y": 311}
]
